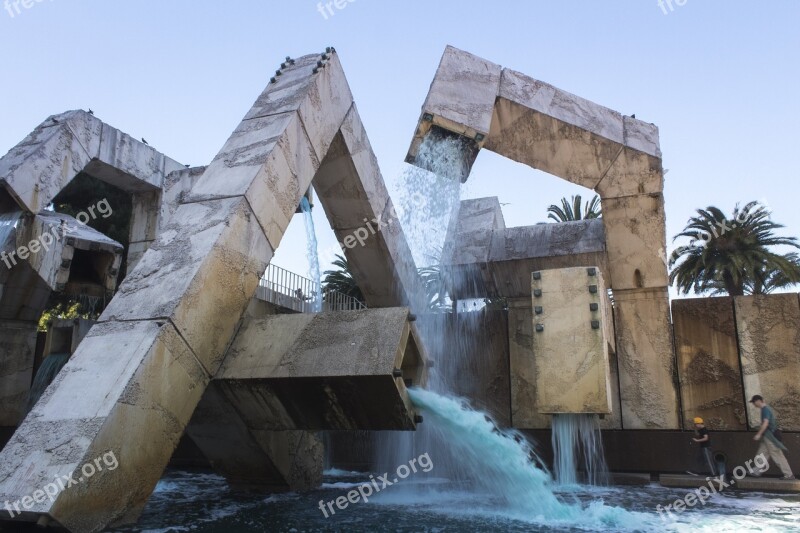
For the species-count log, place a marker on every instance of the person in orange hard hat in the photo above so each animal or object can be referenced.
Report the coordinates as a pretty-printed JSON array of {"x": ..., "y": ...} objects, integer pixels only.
[{"x": 703, "y": 440}]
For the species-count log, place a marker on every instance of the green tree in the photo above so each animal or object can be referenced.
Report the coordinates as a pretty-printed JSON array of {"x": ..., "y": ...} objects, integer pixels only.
[
  {"x": 732, "y": 255},
  {"x": 341, "y": 280},
  {"x": 569, "y": 211}
]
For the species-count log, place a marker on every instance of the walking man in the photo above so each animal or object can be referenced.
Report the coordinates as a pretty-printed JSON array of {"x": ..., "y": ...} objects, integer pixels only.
[{"x": 771, "y": 446}]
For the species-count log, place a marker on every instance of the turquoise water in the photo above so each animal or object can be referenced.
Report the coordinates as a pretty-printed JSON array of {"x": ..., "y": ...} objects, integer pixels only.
[
  {"x": 202, "y": 502},
  {"x": 509, "y": 491}
]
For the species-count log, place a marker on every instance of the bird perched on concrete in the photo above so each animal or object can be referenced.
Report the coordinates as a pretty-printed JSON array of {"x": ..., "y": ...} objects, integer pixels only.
[
  {"x": 90, "y": 111},
  {"x": 145, "y": 142},
  {"x": 633, "y": 116}
]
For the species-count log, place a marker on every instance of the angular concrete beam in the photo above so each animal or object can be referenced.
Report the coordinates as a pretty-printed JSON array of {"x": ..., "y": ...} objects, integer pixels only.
[
  {"x": 187, "y": 295},
  {"x": 570, "y": 348},
  {"x": 275, "y": 460},
  {"x": 194, "y": 282},
  {"x": 461, "y": 99},
  {"x": 133, "y": 405},
  {"x": 325, "y": 371},
  {"x": 355, "y": 199},
  {"x": 64, "y": 145}
]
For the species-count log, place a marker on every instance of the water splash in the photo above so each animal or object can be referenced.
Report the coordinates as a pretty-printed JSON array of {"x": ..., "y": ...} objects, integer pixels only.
[
  {"x": 51, "y": 366},
  {"x": 429, "y": 199},
  {"x": 313, "y": 255},
  {"x": 506, "y": 467},
  {"x": 577, "y": 444}
]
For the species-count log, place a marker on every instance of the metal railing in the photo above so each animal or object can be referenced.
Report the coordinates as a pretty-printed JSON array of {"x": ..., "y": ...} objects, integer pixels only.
[{"x": 293, "y": 291}]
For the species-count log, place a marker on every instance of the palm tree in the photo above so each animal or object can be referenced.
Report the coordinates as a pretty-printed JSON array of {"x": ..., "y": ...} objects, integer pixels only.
[
  {"x": 731, "y": 255},
  {"x": 341, "y": 280},
  {"x": 435, "y": 286},
  {"x": 569, "y": 212}
]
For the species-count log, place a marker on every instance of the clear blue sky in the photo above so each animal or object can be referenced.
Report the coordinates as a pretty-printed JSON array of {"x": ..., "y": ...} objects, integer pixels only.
[{"x": 720, "y": 79}]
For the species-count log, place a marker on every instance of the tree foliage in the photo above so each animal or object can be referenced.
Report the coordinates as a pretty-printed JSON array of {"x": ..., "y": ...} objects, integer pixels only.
[{"x": 732, "y": 255}]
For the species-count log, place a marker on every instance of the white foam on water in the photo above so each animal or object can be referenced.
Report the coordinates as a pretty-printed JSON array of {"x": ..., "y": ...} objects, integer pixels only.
[{"x": 505, "y": 468}]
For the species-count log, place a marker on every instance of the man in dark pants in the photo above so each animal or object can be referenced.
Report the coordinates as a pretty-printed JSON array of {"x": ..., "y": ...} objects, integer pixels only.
[
  {"x": 704, "y": 458},
  {"x": 770, "y": 445}
]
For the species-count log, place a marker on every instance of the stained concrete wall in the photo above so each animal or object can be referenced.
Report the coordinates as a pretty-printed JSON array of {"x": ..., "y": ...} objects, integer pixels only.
[
  {"x": 769, "y": 343},
  {"x": 485, "y": 258},
  {"x": 708, "y": 363}
]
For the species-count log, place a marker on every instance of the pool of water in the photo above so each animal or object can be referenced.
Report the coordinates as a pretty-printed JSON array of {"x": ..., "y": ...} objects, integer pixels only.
[{"x": 202, "y": 502}]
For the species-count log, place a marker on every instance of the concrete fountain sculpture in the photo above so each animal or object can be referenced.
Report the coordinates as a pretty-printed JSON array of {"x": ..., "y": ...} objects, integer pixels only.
[{"x": 182, "y": 348}]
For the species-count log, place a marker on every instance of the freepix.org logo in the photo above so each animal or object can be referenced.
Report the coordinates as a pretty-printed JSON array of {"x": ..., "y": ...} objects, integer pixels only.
[{"x": 15, "y": 7}]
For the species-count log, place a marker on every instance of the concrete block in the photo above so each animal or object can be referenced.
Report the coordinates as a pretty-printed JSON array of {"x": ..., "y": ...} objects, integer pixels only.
[
  {"x": 200, "y": 274},
  {"x": 177, "y": 185},
  {"x": 461, "y": 97},
  {"x": 646, "y": 360},
  {"x": 569, "y": 346},
  {"x": 277, "y": 461},
  {"x": 270, "y": 161},
  {"x": 635, "y": 229},
  {"x": 641, "y": 136},
  {"x": 325, "y": 371},
  {"x": 287, "y": 93},
  {"x": 324, "y": 109},
  {"x": 632, "y": 173},
  {"x": 769, "y": 346},
  {"x": 708, "y": 363},
  {"x": 565, "y": 107},
  {"x": 516, "y": 252},
  {"x": 17, "y": 348},
  {"x": 146, "y": 208},
  {"x": 36, "y": 170},
  {"x": 137, "y": 407}
]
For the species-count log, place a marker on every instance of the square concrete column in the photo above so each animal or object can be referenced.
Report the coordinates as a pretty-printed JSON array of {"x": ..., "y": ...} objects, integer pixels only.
[{"x": 646, "y": 360}]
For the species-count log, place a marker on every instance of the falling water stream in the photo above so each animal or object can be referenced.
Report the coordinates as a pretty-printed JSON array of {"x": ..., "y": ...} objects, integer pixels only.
[
  {"x": 312, "y": 253},
  {"x": 51, "y": 366},
  {"x": 8, "y": 223},
  {"x": 577, "y": 445}
]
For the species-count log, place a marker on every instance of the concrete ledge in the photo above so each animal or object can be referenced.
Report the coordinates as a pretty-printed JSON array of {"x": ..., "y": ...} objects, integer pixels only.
[{"x": 766, "y": 484}]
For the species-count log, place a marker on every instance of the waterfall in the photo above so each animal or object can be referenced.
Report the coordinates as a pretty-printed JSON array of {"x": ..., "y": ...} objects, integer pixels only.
[
  {"x": 313, "y": 255},
  {"x": 577, "y": 443},
  {"x": 8, "y": 223},
  {"x": 51, "y": 366}
]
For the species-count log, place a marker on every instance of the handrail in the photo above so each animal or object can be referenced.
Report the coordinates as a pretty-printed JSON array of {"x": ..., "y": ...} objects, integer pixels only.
[{"x": 293, "y": 291}]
